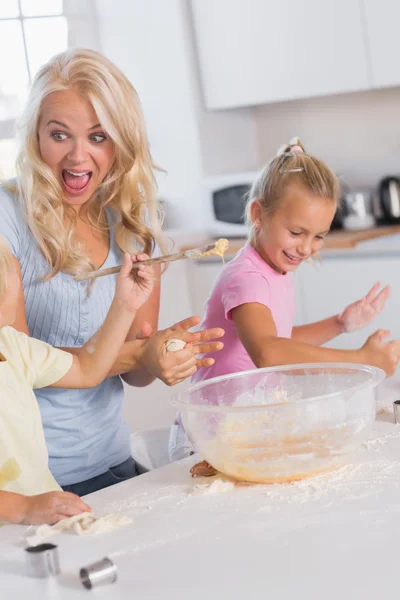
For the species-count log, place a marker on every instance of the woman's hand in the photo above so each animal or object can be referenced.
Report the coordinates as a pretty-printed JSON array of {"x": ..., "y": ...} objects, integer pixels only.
[
  {"x": 134, "y": 286},
  {"x": 204, "y": 344},
  {"x": 361, "y": 313},
  {"x": 174, "y": 367}
]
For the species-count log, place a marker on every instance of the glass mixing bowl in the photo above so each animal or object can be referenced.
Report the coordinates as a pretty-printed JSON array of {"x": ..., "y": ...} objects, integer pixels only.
[{"x": 281, "y": 424}]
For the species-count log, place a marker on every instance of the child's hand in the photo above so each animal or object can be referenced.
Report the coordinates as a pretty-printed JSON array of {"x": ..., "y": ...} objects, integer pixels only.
[
  {"x": 378, "y": 353},
  {"x": 51, "y": 507},
  {"x": 134, "y": 286},
  {"x": 361, "y": 313}
]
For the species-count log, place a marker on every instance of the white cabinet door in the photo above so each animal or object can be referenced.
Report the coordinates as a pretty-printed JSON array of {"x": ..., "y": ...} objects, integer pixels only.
[
  {"x": 328, "y": 289},
  {"x": 382, "y": 18},
  {"x": 201, "y": 277},
  {"x": 259, "y": 51}
]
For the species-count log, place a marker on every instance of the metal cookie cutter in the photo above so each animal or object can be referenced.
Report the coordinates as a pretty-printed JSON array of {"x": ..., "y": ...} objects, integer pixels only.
[
  {"x": 102, "y": 571},
  {"x": 42, "y": 560},
  {"x": 396, "y": 411}
]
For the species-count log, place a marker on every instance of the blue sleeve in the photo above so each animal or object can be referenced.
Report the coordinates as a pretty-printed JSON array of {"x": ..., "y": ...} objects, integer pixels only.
[{"x": 12, "y": 226}]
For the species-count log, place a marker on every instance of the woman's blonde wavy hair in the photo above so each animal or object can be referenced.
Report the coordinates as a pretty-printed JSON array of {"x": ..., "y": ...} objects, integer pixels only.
[
  {"x": 6, "y": 265},
  {"x": 291, "y": 165},
  {"x": 129, "y": 189}
]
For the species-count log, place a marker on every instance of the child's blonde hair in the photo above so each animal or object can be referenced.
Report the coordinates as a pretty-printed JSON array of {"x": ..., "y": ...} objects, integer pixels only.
[
  {"x": 6, "y": 264},
  {"x": 291, "y": 165},
  {"x": 129, "y": 189}
]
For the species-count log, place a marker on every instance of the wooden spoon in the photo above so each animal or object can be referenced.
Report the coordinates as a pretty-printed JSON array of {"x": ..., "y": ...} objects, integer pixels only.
[{"x": 218, "y": 249}]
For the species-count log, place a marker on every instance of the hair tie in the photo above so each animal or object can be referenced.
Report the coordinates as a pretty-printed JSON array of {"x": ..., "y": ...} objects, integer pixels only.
[
  {"x": 297, "y": 149},
  {"x": 286, "y": 151}
]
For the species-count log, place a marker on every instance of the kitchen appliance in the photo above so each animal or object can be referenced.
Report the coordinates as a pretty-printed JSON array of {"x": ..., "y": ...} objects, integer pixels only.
[
  {"x": 358, "y": 209},
  {"x": 225, "y": 204},
  {"x": 281, "y": 423},
  {"x": 388, "y": 198}
]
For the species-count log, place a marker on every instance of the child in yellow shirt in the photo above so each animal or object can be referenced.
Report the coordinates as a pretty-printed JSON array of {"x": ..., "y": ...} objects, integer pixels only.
[{"x": 29, "y": 493}]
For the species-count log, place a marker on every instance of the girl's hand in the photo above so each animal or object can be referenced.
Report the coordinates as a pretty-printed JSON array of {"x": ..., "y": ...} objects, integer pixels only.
[
  {"x": 51, "y": 507},
  {"x": 174, "y": 367},
  {"x": 361, "y": 313},
  {"x": 378, "y": 353},
  {"x": 134, "y": 286}
]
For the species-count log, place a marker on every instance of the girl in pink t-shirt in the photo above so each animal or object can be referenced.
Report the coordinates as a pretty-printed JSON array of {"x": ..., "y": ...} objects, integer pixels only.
[{"x": 290, "y": 210}]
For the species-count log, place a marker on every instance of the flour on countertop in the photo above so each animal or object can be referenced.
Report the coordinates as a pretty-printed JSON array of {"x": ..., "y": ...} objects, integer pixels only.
[
  {"x": 374, "y": 470},
  {"x": 170, "y": 512},
  {"x": 217, "y": 486}
]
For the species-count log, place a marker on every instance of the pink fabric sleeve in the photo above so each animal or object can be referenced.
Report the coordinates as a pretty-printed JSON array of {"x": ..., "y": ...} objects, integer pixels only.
[{"x": 244, "y": 288}]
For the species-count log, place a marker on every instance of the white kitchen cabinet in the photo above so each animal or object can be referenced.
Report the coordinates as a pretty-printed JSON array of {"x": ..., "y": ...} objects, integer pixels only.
[
  {"x": 328, "y": 289},
  {"x": 202, "y": 276},
  {"x": 382, "y": 26},
  {"x": 261, "y": 51}
]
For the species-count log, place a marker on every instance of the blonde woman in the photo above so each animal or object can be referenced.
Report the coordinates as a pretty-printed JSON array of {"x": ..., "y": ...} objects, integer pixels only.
[{"x": 84, "y": 194}]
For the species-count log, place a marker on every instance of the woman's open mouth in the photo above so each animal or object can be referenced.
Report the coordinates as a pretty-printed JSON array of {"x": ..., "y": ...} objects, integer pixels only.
[{"x": 76, "y": 182}]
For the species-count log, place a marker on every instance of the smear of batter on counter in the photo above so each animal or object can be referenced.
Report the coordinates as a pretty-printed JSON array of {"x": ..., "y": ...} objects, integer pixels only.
[{"x": 84, "y": 524}]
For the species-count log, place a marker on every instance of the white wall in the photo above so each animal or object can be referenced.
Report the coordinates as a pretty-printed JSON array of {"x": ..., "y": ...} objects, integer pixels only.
[
  {"x": 358, "y": 134},
  {"x": 144, "y": 38},
  {"x": 152, "y": 42},
  {"x": 228, "y": 139}
]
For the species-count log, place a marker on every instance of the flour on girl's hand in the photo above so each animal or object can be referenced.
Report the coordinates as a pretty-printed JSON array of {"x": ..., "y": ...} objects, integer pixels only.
[{"x": 83, "y": 524}]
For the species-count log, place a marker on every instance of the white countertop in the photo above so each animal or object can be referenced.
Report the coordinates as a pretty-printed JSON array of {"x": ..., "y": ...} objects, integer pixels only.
[
  {"x": 329, "y": 537},
  {"x": 385, "y": 245}
]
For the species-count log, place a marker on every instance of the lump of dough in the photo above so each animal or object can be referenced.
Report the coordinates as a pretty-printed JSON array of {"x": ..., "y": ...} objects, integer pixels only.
[
  {"x": 174, "y": 344},
  {"x": 84, "y": 524}
]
